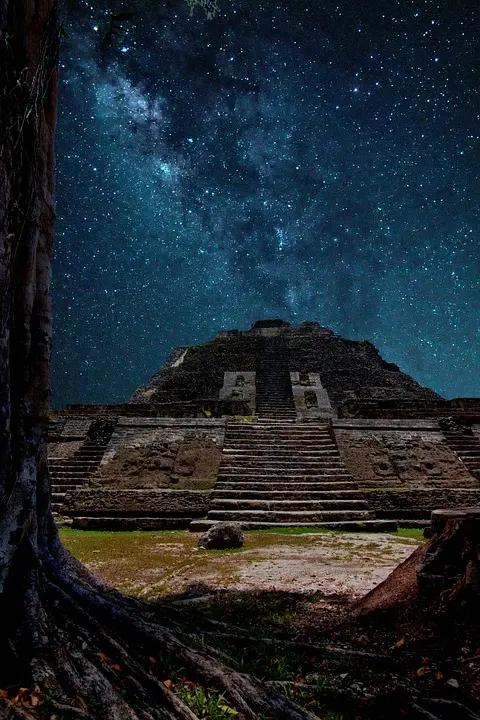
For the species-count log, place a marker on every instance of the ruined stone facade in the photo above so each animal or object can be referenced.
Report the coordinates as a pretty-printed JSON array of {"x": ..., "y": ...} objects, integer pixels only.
[{"x": 404, "y": 449}]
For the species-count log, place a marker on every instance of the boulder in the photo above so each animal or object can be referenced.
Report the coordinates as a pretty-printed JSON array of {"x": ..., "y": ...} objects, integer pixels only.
[{"x": 221, "y": 536}]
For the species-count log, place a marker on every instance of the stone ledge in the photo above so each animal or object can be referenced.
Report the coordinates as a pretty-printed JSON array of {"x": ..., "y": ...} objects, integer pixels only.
[
  {"x": 348, "y": 525},
  {"x": 389, "y": 503},
  {"x": 129, "y": 421},
  {"x": 161, "y": 503},
  {"x": 387, "y": 424},
  {"x": 133, "y": 523}
]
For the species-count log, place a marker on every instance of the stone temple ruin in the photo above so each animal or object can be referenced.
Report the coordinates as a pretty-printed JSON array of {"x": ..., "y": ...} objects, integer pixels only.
[{"x": 274, "y": 425}]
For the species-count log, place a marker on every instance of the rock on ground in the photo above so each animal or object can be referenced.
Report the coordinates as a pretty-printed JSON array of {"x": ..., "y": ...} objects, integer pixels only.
[{"x": 221, "y": 536}]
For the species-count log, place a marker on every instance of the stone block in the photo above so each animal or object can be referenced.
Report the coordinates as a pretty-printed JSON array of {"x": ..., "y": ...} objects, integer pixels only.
[{"x": 167, "y": 503}]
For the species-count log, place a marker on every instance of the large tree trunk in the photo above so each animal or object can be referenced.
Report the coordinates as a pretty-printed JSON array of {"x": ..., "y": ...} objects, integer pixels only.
[
  {"x": 61, "y": 629},
  {"x": 29, "y": 45}
]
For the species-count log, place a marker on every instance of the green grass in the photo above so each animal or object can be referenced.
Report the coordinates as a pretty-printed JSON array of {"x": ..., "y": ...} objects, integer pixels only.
[
  {"x": 415, "y": 533},
  {"x": 293, "y": 531},
  {"x": 68, "y": 532},
  {"x": 205, "y": 703}
]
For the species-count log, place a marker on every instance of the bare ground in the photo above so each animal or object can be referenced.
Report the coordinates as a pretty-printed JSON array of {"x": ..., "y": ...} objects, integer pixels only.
[{"x": 149, "y": 564}]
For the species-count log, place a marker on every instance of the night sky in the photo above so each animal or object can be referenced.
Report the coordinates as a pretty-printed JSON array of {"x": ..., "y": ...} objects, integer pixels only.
[{"x": 303, "y": 160}]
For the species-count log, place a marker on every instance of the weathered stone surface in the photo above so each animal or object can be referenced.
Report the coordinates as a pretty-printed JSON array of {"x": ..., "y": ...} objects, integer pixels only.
[
  {"x": 195, "y": 407},
  {"x": 349, "y": 370},
  {"x": 130, "y": 523},
  {"x": 137, "y": 502},
  {"x": 221, "y": 536},
  {"x": 401, "y": 459},
  {"x": 63, "y": 449},
  {"x": 239, "y": 386},
  {"x": 400, "y": 504},
  {"x": 162, "y": 458},
  {"x": 168, "y": 435}
]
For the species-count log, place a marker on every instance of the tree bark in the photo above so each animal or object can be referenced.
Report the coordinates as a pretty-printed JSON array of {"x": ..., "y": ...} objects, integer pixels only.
[
  {"x": 61, "y": 629},
  {"x": 448, "y": 577},
  {"x": 28, "y": 82}
]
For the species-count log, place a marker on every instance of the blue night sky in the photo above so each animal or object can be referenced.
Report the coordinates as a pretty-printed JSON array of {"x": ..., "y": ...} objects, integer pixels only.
[{"x": 303, "y": 160}]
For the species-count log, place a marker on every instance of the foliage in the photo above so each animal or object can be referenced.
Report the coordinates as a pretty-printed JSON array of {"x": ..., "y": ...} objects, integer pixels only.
[{"x": 209, "y": 7}]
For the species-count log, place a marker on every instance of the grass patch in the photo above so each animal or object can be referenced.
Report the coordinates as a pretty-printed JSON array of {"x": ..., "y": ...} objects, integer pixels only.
[
  {"x": 415, "y": 533},
  {"x": 146, "y": 563},
  {"x": 293, "y": 531}
]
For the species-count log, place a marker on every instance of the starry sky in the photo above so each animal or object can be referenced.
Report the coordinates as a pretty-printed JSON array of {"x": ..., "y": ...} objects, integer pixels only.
[{"x": 303, "y": 160}]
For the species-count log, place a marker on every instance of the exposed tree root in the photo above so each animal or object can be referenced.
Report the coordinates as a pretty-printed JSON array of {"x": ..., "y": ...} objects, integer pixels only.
[{"x": 101, "y": 655}]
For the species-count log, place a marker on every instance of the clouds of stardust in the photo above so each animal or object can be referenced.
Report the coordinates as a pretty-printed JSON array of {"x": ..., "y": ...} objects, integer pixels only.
[{"x": 304, "y": 161}]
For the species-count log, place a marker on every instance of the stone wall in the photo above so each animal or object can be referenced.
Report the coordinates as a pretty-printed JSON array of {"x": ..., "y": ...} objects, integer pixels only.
[
  {"x": 417, "y": 504},
  {"x": 400, "y": 455},
  {"x": 64, "y": 449},
  {"x": 138, "y": 503},
  {"x": 239, "y": 386},
  {"x": 310, "y": 397},
  {"x": 135, "y": 509},
  {"x": 162, "y": 453}
]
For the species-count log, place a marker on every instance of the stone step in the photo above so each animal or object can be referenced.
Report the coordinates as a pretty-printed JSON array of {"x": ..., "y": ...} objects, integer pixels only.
[
  {"x": 267, "y": 426},
  {"x": 299, "y": 425},
  {"x": 275, "y": 403},
  {"x": 307, "y": 516},
  {"x": 265, "y": 486},
  {"x": 242, "y": 505},
  {"x": 256, "y": 434},
  {"x": 276, "y": 414},
  {"x": 292, "y": 494},
  {"x": 469, "y": 453},
  {"x": 385, "y": 526},
  {"x": 272, "y": 447},
  {"x": 268, "y": 416},
  {"x": 58, "y": 496},
  {"x": 293, "y": 444},
  {"x": 283, "y": 464},
  {"x": 290, "y": 428},
  {"x": 277, "y": 452},
  {"x": 65, "y": 488},
  {"x": 278, "y": 391},
  {"x": 277, "y": 398},
  {"x": 54, "y": 472},
  {"x": 284, "y": 473},
  {"x": 262, "y": 421},
  {"x": 73, "y": 461},
  {"x": 274, "y": 422}
]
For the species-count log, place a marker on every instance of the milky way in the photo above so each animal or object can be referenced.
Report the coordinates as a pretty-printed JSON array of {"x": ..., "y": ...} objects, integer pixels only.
[{"x": 309, "y": 161}]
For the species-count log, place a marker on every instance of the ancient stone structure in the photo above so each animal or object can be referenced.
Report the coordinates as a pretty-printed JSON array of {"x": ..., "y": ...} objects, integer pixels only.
[{"x": 272, "y": 425}]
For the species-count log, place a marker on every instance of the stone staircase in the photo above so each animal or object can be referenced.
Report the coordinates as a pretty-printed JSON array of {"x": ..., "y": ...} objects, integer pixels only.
[
  {"x": 274, "y": 396},
  {"x": 277, "y": 472},
  {"x": 467, "y": 448},
  {"x": 68, "y": 474}
]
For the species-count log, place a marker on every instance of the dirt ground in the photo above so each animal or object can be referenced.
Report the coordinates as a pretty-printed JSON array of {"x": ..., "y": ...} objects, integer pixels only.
[{"x": 153, "y": 564}]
